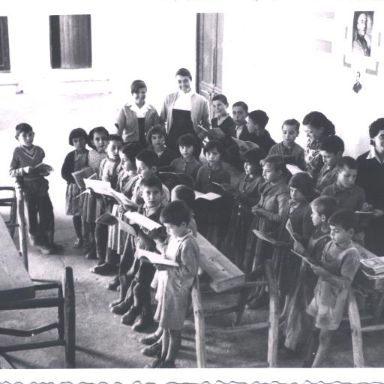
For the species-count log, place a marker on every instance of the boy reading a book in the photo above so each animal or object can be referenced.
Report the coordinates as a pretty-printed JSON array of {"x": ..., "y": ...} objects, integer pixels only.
[{"x": 28, "y": 169}]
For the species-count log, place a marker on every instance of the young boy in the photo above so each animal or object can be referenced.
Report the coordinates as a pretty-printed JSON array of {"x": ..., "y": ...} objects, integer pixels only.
[
  {"x": 139, "y": 277},
  {"x": 187, "y": 163},
  {"x": 331, "y": 150},
  {"x": 291, "y": 152},
  {"x": 257, "y": 121},
  {"x": 239, "y": 115},
  {"x": 30, "y": 180},
  {"x": 338, "y": 266},
  {"x": 108, "y": 171},
  {"x": 298, "y": 325}
]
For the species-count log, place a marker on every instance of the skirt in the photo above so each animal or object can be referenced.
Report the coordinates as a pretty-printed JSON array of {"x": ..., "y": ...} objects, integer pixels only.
[{"x": 73, "y": 200}]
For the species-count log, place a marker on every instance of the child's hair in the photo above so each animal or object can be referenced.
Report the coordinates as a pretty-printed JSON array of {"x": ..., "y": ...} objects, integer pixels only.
[
  {"x": 292, "y": 123},
  {"x": 254, "y": 157},
  {"x": 137, "y": 85},
  {"x": 304, "y": 183},
  {"x": 151, "y": 182},
  {"x": 22, "y": 128},
  {"x": 114, "y": 137},
  {"x": 346, "y": 162},
  {"x": 344, "y": 219},
  {"x": 213, "y": 144},
  {"x": 184, "y": 72},
  {"x": 259, "y": 117},
  {"x": 149, "y": 158},
  {"x": 92, "y": 133},
  {"x": 325, "y": 205},
  {"x": 77, "y": 133},
  {"x": 242, "y": 105},
  {"x": 221, "y": 98},
  {"x": 157, "y": 129},
  {"x": 131, "y": 150},
  {"x": 186, "y": 140},
  {"x": 185, "y": 194},
  {"x": 376, "y": 127},
  {"x": 332, "y": 144},
  {"x": 176, "y": 213},
  {"x": 319, "y": 120},
  {"x": 277, "y": 162}
]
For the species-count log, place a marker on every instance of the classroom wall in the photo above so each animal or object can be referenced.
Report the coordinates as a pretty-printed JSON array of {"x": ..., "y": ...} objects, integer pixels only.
[{"x": 277, "y": 61}]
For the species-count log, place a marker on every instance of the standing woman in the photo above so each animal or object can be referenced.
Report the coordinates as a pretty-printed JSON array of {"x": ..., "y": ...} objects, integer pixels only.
[
  {"x": 184, "y": 111},
  {"x": 137, "y": 118},
  {"x": 317, "y": 127}
]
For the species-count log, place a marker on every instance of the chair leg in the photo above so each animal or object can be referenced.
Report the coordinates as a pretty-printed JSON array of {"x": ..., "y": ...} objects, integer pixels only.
[
  {"x": 199, "y": 326},
  {"x": 379, "y": 309},
  {"x": 357, "y": 337},
  {"x": 241, "y": 306}
]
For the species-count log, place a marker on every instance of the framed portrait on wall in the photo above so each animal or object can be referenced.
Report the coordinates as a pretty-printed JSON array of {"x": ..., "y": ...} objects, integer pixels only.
[{"x": 362, "y": 32}]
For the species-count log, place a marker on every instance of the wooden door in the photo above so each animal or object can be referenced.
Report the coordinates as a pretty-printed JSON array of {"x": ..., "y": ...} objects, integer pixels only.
[{"x": 209, "y": 53}]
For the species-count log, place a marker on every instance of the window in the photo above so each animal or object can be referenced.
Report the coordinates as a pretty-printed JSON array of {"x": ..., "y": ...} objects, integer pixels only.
[
  {"x": 70, "y": 40},
  {"x": 4, "y": 45},
  {"x": 209, "y": 53}
]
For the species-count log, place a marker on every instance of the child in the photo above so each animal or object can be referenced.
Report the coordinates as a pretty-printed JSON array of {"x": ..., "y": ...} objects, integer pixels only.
[
  {"x": 97, "y": 139},
  {"x": 222, "y": 119},
  {"x": 30, "y": 179},
  {"x": 331, "y": 151},
  {"x": 338, "y": 266},
  {"x": 156, "y": 142},
  {"x": 297, "y": 326},
  {"x": 108, "y": 172},
  {"x": 317, "y": 127},
  {"x": 75, "y": 161},
  {"x": 188, "y": 162},
  {"x": 171, "y": 312},
  {"x": 257, "y": 121},
  {"x": 246, "y": 196},
  {"x": 270, "y": 213},
  {"x": 291, "y": 152},
  {"x": 239, "y": 115},
  {"x": 213, "y": 216},
  {"x": 137, "y": 300},
  {"x": 370, "y": 177}
]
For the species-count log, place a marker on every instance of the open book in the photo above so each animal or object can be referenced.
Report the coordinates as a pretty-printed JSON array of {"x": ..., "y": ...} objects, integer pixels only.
[
  {"x": 123, "y": 200},
  {"x": 109, "y": 219},
  {"x": 306, "y": 259},
  {"x": 142, "y": 220},
  {"x": 99, "y": 186},
  {"x": 155, "y": 258},
  {"x": 42, "y": 168},
  {"x": 245, "y": 146},
  {"x": 207, "y": 196},
  {"x": 267, "y": 238},
  {"x": 85, "y": 173},
  {"x": 293, "y": 169}
]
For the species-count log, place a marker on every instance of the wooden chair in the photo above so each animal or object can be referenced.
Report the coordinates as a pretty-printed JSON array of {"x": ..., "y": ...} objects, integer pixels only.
[{"x": 18, "y": 292}]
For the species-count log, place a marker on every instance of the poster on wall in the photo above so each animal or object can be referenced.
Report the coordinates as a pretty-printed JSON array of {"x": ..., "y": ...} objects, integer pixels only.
[{"x": 362, "y": 32}]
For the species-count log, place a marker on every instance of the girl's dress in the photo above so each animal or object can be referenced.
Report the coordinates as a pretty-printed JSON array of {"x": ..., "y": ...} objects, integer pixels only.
[
  {"x": 329, "y": 302},
  {"x": 241, "y": 218},
  {"x": 73, "y": 162},
  {"x": 298, "y": 323},
  {"x": 177, "y": 282},
  {"x": 89, "y": 203}
]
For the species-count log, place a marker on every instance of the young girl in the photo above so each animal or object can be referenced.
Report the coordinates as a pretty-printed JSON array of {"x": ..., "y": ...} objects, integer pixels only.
[
  {"x": 213, "y": 216},
  {"x": 75, "y": 161},
  {"x": 97, "y": 140},
  {"x": 222, "y": 118},
  {"x": 156, "y": 142},
  {"x": 178, "y": 281},
  {"x": 297, "y": 325},
  {"x": 188, "y": 162},
  {"x": 246, "y": 196},
  {"x": 318, "y": 127},
  {"x": 338, "y": 266},
  {"x": 290, "y": 151},
  {"x": 270, "y": 213}
]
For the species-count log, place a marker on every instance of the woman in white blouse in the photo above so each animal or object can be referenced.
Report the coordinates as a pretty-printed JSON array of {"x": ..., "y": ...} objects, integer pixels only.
[
  {"x": 137, "y": 118},
  {"x": 184, "y": 111}
]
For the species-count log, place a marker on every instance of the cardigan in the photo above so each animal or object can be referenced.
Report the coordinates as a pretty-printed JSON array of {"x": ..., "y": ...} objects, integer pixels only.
[
  {"x": 199, "y": 111},
  {"x": 69, "y": 166},
  {"x": 127, "y": 120}
]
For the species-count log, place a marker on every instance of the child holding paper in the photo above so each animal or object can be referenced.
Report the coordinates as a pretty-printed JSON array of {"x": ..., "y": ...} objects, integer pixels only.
[
  {"x": 178, "y": 281},
  {"x": 25, "y": 168},
  {"x": 75, "y": 161}
]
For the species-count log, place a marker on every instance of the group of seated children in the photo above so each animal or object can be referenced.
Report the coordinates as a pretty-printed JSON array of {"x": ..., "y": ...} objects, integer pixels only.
[{"x": 314, "y": 211}]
